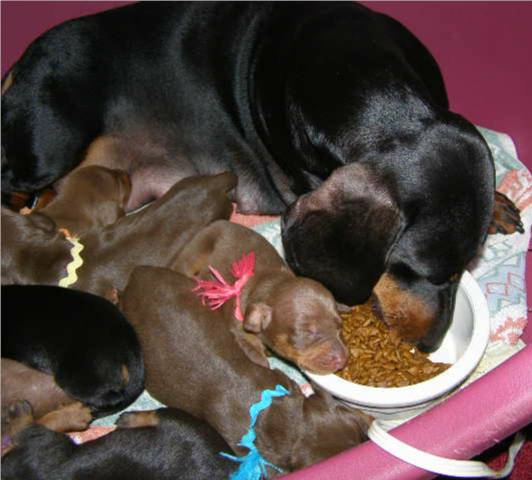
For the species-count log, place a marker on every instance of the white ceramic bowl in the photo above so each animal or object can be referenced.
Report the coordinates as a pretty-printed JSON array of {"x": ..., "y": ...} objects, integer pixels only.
[{"x": 463, "y": 346}]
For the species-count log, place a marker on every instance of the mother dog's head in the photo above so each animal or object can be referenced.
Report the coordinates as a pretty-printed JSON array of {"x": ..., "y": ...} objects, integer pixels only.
[{"x": 400, "y": 226}]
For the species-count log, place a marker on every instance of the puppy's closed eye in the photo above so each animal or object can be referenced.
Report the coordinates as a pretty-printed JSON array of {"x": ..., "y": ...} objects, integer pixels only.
[
  {"x": 309, "y": 334},
  {"x": 311, "y": 331}
]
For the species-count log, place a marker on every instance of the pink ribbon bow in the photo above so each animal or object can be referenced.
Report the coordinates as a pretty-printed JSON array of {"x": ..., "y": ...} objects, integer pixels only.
[{"x": 216, "y": 292}]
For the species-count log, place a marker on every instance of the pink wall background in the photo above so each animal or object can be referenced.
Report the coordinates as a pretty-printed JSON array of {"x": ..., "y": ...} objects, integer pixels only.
[{"x": 483, "y": 49}]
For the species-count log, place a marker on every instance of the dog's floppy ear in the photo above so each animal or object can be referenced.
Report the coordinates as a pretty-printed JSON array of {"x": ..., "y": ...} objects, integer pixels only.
[
  {"x": 257, "y": 318},
  {"x": 341, "y": 233},
  {"x": 251, "y": 345}
]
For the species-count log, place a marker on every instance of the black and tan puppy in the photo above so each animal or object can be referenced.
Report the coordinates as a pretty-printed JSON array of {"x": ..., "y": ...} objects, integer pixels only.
[
  {"x": 35, "y": 252},
  {"x": 196, "y": 361},
  {"x": 87, "y": 198},
  {"x": 164, "y": 444},
  {"x": 295, "y": 317},
  {"x": 81, "y": 339},
  {"x": 283, "y": 94}
]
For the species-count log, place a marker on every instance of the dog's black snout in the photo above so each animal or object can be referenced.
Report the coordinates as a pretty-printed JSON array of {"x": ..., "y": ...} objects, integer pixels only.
[{"x": 443, "y": 317}]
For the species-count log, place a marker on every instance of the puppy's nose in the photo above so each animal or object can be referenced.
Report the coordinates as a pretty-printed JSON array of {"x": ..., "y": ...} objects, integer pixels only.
[
  {"x": 336, "y": 360},
  {"x": 340, "y": 361}
]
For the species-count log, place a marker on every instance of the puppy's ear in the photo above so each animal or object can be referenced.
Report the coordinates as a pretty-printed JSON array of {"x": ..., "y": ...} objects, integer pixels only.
[
  {"x": 341, "y": 233},
  {"x": 257, "y": 318},
  {"x": 251, "y": 345}
]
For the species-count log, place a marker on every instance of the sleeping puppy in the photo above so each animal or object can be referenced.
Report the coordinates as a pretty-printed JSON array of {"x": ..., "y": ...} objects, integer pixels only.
[
  {"x": 295, "y": 317},
  {"x": 18, "y": 415},
  {"x": 196, "y": 361},
  {"x": 20, "y": 382},
  {"x": 305, "y": 90},
  {"x": 164, "y": 444},
  {"x": 87, "y": 198},
  {"x": 35, "y": 252},
  {"x": 81, "y": 339}
]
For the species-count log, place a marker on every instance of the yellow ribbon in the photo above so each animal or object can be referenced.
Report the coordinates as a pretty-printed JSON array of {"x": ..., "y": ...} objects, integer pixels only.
[{"x": 76, "y": 262}]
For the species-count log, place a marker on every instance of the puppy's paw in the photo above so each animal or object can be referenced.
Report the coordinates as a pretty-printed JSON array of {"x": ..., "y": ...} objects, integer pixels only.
[
  {"x": 138, "y": 419},
  {"x": 72, "y": 417},
  {"x": 506, "y": 217},
  {"x": 16, "y": 417},
  {"x": 79, "y": 416}
]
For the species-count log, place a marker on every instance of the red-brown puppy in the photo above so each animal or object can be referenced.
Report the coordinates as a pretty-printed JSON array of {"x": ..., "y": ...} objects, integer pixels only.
[
  {"x": 88, "y": 198},
  {"x": 35, "y": 252},
  {"x": 18, "y": 415},
  {"x": 20, "y": 382},
  {"x": 295, "y": 317},
  {"x": 196, "y": 361}
]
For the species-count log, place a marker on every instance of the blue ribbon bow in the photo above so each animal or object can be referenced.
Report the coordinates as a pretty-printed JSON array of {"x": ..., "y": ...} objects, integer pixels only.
[{"x": 253, "y": 466}]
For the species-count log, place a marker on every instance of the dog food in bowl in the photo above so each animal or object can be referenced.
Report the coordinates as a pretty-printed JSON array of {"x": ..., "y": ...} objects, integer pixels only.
[
  {"x": 378, "y": 357},
  {"x": 463, "y": 347}
]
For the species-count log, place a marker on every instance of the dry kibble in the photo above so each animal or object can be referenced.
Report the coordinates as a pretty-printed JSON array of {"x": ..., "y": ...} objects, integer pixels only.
[{"x": 378, "y": 357}]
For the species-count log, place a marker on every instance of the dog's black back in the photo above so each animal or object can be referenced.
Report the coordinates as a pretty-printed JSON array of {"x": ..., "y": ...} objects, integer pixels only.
[
  {"x": 80, "y": 338},
  {"x": 210, "y": 83},
  {"x": 188, "y": 95},
  {"x": 179, "y": 447}
]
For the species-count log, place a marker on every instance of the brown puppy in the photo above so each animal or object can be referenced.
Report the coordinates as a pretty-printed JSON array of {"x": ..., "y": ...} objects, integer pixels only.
[
  {"x": 20, "y": 382},
  {"x": 35, "y": 252},
  {"x": 88, "y": 198},
  {"x": 194, "y": 362},
  {"x": 295, "y": 317}
]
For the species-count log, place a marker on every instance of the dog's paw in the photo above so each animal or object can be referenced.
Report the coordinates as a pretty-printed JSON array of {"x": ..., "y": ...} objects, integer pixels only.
[
  {"x": 69, "y": 418},
  {"x": 506, "y": 217},
  {"x": 78, "y": 416},
  {"x": 16, "y": 417},
  {"x": 81, "y": 415},
  {"x": 138, "y": 419}
]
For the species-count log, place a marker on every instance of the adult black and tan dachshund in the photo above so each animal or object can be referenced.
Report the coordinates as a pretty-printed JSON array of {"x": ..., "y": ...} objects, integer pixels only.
[{"x": 331, "y": 108}]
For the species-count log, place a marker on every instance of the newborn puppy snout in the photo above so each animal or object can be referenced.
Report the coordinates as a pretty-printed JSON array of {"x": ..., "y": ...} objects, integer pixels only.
[
  {"x": 337, "y": 359},
  {"x": 330, "y": 360}
]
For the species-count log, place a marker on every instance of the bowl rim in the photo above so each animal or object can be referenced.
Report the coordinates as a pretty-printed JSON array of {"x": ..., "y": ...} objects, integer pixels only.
[{"x": 429, "y": 389}]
